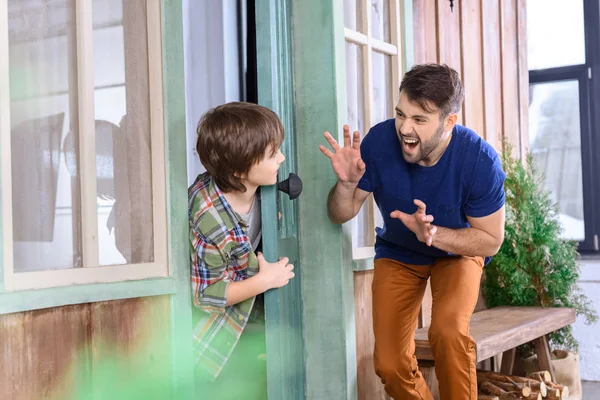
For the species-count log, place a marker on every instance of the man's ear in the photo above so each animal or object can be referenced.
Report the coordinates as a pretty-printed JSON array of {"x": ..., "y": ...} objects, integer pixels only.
[{"x": 450, "y": 121}]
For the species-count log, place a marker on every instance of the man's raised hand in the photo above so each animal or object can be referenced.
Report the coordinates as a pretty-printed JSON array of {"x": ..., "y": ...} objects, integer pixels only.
[{"x": 345, "y": 161}]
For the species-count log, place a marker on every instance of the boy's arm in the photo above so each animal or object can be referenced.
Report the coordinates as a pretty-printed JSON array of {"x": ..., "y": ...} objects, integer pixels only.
[
  {"x": 212, "y": 287},
  {"x": 243, "y": 290},
  {"x": 210, "y": 280}
]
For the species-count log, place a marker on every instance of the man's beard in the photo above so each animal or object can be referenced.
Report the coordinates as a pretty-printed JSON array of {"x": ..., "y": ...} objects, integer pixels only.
[{"x": 426, "y": 148}]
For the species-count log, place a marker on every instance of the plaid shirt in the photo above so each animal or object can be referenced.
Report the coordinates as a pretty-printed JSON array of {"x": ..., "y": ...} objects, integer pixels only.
[{"x": 220, "y": 253}]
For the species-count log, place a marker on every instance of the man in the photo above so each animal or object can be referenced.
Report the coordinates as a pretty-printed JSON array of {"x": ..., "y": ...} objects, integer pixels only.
[{"x": 440, "y": 190}]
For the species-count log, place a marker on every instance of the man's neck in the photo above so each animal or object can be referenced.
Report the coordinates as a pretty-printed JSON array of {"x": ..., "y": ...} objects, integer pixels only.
[{"x": 241, "y": 202}]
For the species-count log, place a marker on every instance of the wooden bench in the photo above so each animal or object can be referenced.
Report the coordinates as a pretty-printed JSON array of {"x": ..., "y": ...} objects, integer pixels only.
[{"x": 502, "y": 329}]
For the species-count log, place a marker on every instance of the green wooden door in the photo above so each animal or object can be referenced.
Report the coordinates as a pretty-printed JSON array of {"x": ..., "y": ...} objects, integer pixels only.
[{"x": 283, "y": 307}]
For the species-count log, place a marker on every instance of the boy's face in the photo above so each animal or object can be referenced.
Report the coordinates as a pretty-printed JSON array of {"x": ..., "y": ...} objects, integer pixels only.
[{"x": 265, "y": 172}]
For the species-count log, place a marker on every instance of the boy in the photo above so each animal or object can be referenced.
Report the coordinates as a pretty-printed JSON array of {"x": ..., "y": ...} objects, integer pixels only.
[{"x": 238, "y": 144}]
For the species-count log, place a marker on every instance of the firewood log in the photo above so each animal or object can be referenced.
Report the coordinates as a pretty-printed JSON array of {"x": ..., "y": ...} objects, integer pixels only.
[
  {"x": 543, "y": 376},
  {"x": 539, "y": 387},
  {"x": 487, "y": 397},
  {"x": 534, "y": 396},
  {"x": 490, "y": 388},
  {"x": 493, "y": 376},
  {"x": 521, "y": 388},
  {"x": 564, "y": 390},
  {"x": 535, "y": 385},
  {"x": 554, "y": 394}
]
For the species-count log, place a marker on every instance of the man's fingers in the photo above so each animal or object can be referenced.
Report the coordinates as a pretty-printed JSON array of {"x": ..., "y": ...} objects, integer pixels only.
[
  {"x": 399, "y": 215},
  {"x": 346, "y": 136},
  {"x": 356, "y": 140},
  {"x": 421, "y": 206},
  {"x": 332, "y": 142},
  {"x": 326, "y": 151},
  {"x": 427, "y": 218},
  {"x": 361, "y": 165},
  {"x": 432, "y": 230}
]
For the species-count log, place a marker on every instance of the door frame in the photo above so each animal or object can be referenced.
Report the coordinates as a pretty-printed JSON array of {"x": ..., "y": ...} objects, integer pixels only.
[{"x": 283, "y": 307}]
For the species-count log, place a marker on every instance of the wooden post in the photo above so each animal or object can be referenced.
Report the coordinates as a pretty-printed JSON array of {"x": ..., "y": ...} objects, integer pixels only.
[
  {"x": 543, "y": 352},
  {"x": 508, "y": 360}
]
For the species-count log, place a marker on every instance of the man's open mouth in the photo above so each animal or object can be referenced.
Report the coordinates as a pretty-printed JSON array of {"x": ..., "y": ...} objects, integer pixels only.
[{"x": 409, "y": 142}]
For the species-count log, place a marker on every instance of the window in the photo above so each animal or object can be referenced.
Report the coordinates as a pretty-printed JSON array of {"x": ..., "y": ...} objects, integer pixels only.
[
  {"x": 563, "y": 120},
  {"x": 373, "y": 70},
  {"x": 82, "y": 139}
]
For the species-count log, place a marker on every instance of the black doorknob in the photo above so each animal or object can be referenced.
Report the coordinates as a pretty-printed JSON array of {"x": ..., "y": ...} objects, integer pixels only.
[{"x": 292, "y": 186}]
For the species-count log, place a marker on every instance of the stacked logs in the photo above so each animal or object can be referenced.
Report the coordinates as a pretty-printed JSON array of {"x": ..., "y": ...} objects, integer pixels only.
[{"x": 536, "y": 386}]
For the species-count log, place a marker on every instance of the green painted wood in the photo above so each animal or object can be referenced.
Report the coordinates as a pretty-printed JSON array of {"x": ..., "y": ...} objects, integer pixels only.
[
  {"x": 283, "y": 307},
  {"x": 12, "y": 302},
  {"x": 174, "y": 113},
  {"x": 327, "y": 278}
]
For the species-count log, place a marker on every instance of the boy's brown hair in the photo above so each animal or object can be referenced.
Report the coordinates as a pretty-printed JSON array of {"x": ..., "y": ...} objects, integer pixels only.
[{"x": 233, "y": 137}]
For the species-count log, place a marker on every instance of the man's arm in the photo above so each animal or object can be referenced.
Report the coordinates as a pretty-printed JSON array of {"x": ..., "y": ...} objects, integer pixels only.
[
  {"x": 344, "y": 202},
  {"x": 483, "y": 238}
]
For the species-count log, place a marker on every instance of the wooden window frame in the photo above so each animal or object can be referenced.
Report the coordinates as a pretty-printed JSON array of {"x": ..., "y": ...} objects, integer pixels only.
[
  {"x": 91, "y": 272},
  {"x": 367, "y": 44}
]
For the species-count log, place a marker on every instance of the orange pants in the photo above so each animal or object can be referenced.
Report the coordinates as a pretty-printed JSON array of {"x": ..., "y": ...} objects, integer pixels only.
[{"x": 398, "y": 291}]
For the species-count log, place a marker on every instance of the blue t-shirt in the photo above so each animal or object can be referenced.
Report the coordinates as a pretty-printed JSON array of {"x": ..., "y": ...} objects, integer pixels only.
[{"x": 467, "y": 180}]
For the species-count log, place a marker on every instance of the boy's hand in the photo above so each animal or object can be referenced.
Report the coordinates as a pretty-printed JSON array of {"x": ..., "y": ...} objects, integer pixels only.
[
  {"x": 346, "y": 161},
  {"x": 275, "y": 275}
]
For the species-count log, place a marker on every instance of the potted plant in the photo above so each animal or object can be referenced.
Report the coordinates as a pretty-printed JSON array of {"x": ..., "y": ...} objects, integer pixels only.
[{"x": 535, "y": 266}]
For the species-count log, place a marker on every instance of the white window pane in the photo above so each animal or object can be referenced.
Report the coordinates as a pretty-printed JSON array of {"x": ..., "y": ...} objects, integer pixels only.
[
  {"x": 382, "y": 87},
  {"x": 555, "y": 33},
  {"x": 43, "y": 110},
  {"x": 355, "y": 95},
  {"x": 555, "y": 137},
  {"x": 123, "y": 143},
  {"x": 380, "y": 19},
  {"x": 353, "y": 15},
  {"x": 355, "y": 88}
]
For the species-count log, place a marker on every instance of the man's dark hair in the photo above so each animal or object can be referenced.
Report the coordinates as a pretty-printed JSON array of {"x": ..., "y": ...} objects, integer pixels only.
[
  {"x": 232, "y": 138},
  {"x": 434, "y": 86}
]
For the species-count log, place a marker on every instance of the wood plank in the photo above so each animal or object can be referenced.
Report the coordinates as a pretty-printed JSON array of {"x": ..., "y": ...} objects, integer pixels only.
[
  {"x": 60, "y": 352},
  {"x": 449, "y": 37},
  {"x": 510, "y": 73},
  {"x": 320, "y": 104},
  {"x": 523, "y": 76},
  {"x": 499, "y": 329},
  {"x": 492, "y": 73},
  {"x": 176, "y": 185},
  {"x": 472, "y": 62},
  {"x": 39, "y": 347},
  {"x": 369, "y": 384},
  {"x": 425, "y": 31},
  {"x": 86, "y": 134}
]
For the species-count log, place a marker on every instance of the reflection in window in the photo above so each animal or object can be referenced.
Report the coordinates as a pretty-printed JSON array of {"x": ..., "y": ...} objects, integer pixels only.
[{"x": 555, "y": 137}]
